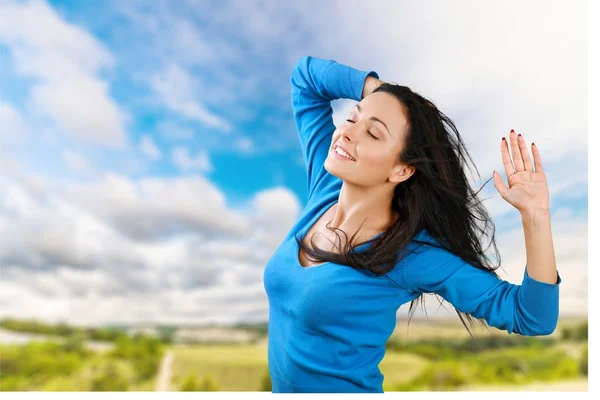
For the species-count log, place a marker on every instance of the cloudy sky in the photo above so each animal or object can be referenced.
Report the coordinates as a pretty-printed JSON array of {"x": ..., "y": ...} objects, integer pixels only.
[{"x": 149, "y": 162}]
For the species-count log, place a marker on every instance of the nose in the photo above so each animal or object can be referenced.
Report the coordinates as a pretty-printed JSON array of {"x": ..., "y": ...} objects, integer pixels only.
[{"x": 349, "y": 132}]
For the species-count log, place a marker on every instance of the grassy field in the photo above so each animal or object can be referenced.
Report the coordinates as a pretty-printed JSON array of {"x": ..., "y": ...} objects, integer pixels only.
[
  {"x": 242, "y": 368},
  {"x": 420, "y": 329},
  {"x": 575, "y": 385},
  {"x": 234, "y": 367},
  {"x": 400, "y": 368},
  {"x": 81, "y": 381}
]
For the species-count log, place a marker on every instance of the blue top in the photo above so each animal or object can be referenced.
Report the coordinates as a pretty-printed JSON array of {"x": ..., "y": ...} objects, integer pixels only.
[{"x": 329, "y": 323}]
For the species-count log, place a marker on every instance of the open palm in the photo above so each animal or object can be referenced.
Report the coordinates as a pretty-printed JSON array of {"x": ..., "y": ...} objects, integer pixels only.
[{"x": 527, "y": 189}]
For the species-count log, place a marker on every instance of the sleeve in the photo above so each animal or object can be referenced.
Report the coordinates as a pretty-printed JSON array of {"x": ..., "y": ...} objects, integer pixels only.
[
  {"x": 529, "y": 309},
  {"x": 315, "y": 83}
]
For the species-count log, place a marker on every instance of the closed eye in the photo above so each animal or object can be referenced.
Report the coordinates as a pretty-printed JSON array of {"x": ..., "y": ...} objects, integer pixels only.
[{"x": 369, "y": 132}]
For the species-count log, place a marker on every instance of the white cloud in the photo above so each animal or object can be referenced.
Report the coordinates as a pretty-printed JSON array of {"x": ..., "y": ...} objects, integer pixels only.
[
  {"x": 490, "y": 71},
  {"x": 185, "y": 161},
  {"x": 78, "y": 163},
  {"x": 71, "y": 254},
  {"x": 178, "y": 91},
  {"x": 12, "y": 125},
  {"x": 155, "y": 208},
  {"x": 493, "y": 69},
  {"x": 64, "y": 61},
  {"x": 149, "y": 148},
  {"x": 244, "y": 145},
  {"x": 174, "y": 131}
]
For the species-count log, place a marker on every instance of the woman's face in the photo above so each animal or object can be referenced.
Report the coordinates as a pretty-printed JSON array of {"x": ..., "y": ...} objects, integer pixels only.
[{"x": 373, "y": 135}]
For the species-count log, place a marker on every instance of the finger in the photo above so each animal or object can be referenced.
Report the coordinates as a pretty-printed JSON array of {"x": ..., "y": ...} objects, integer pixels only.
[
  {"x": 508, "y": 167},
  {"x": 536, "y": 158},
  {"x": 524, "y": 153},
  {"x": 516, "y": 152},
  {"x": 499, "y": 184}
]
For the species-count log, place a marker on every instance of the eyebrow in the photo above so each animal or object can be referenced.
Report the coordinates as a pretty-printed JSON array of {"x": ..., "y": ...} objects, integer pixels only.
[{"x": 375, "y": 119}]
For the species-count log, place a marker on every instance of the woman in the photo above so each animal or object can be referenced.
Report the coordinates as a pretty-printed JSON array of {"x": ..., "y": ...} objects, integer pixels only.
[{"x": 392, "y": 178}]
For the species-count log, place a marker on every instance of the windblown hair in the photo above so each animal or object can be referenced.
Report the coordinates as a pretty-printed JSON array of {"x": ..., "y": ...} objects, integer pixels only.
[{"x": 437, "y": 197}]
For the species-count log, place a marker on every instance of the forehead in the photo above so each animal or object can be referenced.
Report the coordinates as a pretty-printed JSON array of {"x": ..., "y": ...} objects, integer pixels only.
[{"x": 387, "y": 108}]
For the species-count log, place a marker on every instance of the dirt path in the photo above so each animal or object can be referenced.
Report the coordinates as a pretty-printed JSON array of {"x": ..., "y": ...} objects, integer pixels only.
[{"x": 164, "y": 374}]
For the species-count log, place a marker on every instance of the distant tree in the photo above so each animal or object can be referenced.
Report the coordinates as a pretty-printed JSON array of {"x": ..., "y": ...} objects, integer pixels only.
[
  {"x": 190, "y": 383},
  {"x": 583, "y": 363},
  {"x": 582, "y": 331},
  {"x": 110, "y": 380},
  {"x": 76, "y": 343},
  {"x": 265, "y": 383},
  {"x": 578, "y": 332},
  {"x": 209, "y": 384},
  {"x": 62, "y": 329}
]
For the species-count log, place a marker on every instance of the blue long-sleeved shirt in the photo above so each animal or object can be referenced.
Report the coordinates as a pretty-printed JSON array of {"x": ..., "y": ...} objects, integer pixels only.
[{"x": 328, "y": 324}]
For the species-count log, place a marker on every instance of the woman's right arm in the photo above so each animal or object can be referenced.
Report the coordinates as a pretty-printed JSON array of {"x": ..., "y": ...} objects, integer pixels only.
[
  {"x": 315, "y": 83},
  {"x": 530, "y": 308}
]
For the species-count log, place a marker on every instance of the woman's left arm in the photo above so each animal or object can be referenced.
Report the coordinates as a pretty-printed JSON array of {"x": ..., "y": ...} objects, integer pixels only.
[
  {"x": 528, "y": 193},
  {"x": 528, "y": 309}
]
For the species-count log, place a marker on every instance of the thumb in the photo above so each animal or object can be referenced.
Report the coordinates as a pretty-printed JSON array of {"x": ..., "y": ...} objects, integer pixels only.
[{"x": 499, "y": 185}]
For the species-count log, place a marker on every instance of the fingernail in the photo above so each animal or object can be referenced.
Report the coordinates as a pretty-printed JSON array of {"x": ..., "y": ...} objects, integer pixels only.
[
  {"x": 519, "y": 135},
  {"x": 533, "y": 144},
  {"x": 512, "y": 131},
  {"x": 504, "y": 138}
]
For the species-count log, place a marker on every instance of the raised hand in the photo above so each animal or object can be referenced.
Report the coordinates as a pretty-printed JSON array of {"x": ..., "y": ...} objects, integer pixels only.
[{"x": 527, "y": 188}]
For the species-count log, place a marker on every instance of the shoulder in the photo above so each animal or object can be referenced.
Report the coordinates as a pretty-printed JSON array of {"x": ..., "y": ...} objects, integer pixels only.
[
  {"x": 425, "y": 258},
  {"x": 426, "y": 249}
]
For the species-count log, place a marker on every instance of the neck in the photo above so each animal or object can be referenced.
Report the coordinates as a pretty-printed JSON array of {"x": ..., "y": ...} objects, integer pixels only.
[{"x": 370, "y": 207}]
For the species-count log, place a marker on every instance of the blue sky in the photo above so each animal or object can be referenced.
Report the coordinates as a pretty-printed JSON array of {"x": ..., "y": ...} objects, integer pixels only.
[
  {"x": 151, "y": 158},
  {"x": 242, "y": 119}
]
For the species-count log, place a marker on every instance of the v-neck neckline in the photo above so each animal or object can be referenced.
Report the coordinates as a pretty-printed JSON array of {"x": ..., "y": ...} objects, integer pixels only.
[{"x": 308, "y": 227}]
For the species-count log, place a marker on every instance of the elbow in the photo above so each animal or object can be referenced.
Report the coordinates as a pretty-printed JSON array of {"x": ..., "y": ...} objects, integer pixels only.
[
  {"x": 547, "y": 330},
  {"x": 298, "y": 78},
  {"x": 537, "y": 329},
  {"x": 301, "y": 62},
  {"x": 539, "y": 324},
  {"x": 300, "y": 66}
]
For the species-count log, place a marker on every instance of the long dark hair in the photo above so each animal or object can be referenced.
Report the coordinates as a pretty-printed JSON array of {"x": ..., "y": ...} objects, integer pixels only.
[{"x": 437, "y": 197}]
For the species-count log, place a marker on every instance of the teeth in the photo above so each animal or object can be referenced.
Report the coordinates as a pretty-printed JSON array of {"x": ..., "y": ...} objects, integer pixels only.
[{"x": 343, "y": 153}]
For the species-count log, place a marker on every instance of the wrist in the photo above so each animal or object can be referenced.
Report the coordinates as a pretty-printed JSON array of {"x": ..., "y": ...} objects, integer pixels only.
[
  {"x": 535, "y": 215},
  {"x": 371, "y": 83}
]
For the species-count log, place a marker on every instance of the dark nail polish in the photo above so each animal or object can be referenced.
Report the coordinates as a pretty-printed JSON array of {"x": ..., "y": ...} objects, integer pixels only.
[
  {"x": 519, "y": 135},
  {"x": 512, "y": 130},
  {"x": 504, "y": 139}
]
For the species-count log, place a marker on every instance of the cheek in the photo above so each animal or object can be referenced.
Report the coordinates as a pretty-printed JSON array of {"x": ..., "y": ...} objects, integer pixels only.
[{"x": 375, "y": 158}]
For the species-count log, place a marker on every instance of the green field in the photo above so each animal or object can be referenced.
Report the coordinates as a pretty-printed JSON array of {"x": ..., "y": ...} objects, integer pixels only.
[
  {"x": 235, "y": 368},
  {"x": 69, "y": 365},
  {"x": 431, "y": 355},
  {"x": 574, "y": 385},
  {"x": 244, "y": 367},
  {"x": 82, "y": 380}
]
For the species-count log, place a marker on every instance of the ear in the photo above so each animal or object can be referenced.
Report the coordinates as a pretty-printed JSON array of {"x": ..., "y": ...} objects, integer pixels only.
[{"x": 401, "y": 173}]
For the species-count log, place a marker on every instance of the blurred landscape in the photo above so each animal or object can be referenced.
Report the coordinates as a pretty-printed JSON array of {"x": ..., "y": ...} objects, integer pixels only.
[{"x": 427, "y": 355}]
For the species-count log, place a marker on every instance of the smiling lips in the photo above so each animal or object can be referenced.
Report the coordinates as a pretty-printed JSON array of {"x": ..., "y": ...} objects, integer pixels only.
[{"x": 339, "y": 150}]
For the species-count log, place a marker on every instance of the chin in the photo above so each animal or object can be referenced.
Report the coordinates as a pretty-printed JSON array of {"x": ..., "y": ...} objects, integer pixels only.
[{"x": 331, "y": 167}]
